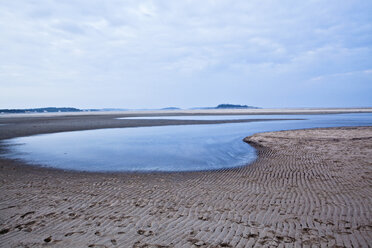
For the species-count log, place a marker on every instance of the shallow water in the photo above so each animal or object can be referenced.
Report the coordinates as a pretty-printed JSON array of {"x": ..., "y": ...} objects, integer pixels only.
[
  {"x": 208, "y": 117},
  {"x": 165, "y": 148}
]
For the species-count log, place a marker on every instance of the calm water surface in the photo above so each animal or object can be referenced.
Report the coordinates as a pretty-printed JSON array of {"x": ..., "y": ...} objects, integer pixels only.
[
  {"x": 166, "y": 148},
  {"x": 209, "y": 117}
]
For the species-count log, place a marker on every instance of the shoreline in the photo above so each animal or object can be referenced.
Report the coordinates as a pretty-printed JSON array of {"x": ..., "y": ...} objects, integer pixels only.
[
  {"x": 19, "y": 125},
  {"x": 307, "y": 187},
  {"x": 37, "y": 127},
  {"x": 255, "y": 144}
]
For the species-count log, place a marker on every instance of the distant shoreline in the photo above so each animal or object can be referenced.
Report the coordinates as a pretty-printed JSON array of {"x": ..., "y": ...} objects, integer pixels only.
[{"x": 71, "y": 109}]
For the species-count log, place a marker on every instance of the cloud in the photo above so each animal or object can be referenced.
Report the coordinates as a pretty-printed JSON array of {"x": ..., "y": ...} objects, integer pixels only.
[
  {"x": 239, "y": 51},
  {"x": 344, "y": 74}
]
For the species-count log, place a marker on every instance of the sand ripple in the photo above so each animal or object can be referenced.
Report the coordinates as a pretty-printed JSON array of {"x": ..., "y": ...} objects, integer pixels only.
[{"x": 308, "y": 188}]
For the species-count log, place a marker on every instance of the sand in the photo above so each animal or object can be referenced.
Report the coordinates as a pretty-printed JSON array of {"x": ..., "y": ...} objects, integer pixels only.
[{"x": 307, "y": 188}]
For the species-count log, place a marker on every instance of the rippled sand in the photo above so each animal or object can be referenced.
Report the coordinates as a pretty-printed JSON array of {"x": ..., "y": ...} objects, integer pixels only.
[{"x": 308, "y": 187}]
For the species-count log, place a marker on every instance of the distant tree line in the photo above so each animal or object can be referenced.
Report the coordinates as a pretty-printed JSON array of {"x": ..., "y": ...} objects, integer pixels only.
[{"x": 39, "y": 110}]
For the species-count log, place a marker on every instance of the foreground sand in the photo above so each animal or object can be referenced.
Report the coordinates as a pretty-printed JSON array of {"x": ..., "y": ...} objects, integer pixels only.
[{"x": 308, "y": 188}]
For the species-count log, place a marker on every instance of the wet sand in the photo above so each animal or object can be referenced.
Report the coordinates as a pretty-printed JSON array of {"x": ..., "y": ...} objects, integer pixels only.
[{"x": 307, "y": 188}]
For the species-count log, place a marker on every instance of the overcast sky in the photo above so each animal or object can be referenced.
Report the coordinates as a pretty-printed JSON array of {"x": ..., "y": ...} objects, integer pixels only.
[{"x": 152, "y": 54}]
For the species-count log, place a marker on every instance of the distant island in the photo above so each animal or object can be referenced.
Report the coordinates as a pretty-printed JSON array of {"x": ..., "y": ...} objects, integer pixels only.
[
  {"x": 228, "y": 106},
  {"x": 39, "y": 110},
  {"x": 234, "y": 106}
]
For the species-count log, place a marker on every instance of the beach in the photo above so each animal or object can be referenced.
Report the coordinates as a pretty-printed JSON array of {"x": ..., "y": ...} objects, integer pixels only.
[{"x": 307, "y": 188}]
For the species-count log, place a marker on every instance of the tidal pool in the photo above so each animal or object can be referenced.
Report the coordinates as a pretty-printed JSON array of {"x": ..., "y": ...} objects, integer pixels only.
[{"x": 165, "y": 148}]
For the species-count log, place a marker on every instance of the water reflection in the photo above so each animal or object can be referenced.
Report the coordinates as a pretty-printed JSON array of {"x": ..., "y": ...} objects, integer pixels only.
[{"x": 165, "y": 148}]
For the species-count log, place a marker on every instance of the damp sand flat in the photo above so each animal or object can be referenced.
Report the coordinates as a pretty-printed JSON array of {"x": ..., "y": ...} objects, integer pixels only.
[{"x": 308, "y": 187}]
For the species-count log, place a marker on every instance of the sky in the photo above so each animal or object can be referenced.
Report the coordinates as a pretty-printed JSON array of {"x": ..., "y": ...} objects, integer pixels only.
[{"x": 186, "y": 53}]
